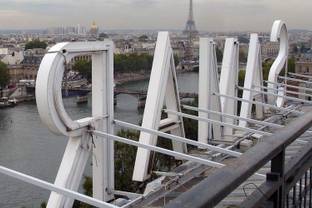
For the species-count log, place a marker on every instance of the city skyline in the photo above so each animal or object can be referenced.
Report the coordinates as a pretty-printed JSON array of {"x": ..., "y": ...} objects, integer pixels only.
[{"x": 210, "y": 15}]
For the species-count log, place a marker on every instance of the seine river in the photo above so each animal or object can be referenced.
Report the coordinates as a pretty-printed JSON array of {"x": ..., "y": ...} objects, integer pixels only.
[{"x": 26, "y": 145}]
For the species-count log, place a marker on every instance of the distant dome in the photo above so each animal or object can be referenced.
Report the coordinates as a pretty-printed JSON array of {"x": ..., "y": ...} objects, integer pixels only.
[
  {"x": 94, "y": 30},
  {"x": 94, "y": 25}
]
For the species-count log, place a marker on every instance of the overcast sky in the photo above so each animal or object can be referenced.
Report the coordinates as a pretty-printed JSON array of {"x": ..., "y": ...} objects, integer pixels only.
[{"x": 210, "y": 15}]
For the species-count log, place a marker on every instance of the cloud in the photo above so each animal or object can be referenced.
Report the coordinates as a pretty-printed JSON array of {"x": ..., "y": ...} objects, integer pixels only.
[{"x": 211, "y": 15}]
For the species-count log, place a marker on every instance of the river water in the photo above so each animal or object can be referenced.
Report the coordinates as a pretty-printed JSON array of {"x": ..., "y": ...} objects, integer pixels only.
[{"x": 26, "y": 145}]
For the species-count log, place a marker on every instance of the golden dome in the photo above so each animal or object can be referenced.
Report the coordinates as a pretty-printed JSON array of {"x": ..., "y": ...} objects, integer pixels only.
[{"x": 94, "y": 26}]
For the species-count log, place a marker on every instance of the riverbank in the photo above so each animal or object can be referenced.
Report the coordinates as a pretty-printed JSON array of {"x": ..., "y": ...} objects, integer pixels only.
[
  {"x": 133, "y": 77},
  {"x": 130, "y": 77}
]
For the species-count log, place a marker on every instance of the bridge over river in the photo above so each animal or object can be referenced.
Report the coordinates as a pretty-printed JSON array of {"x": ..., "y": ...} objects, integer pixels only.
[{"x": 143, "y": 93}]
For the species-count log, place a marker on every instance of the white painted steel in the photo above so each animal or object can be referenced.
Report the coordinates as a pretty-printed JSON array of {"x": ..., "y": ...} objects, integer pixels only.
[
  {"x": 178, "y": 139},
  {"x": 263, "y": 123},
  {"x": 294, "y": 79},
  {"x": 208, "y": 83},
  {"x": 278, "y": 33},
  {"x": 71, "y": 169},
  {"x": 162, "y": 150},
  {"x": 158, "y": 149},
  {"x": 300, "y": 75},
  {"x": 282, "y": 96},
  {"x": 253, "y": 76},
  {"x": 259, "y": 103},
  {"x": 60, "y": 190},
  {"x": 219, "y": 123},
  {"x": 162, "y": 88},
  {"x": 49, "y": 94},
  {"x": 49, "y": 85},
  {"x": 228, "y": 81},
  {"x": 287, "y": 91},
  {"x": 249, "y": 120},
  {"x": 288, "y": 85},
  {"x": 53, "y": 114},
  {"x": 103, "y": 104}
]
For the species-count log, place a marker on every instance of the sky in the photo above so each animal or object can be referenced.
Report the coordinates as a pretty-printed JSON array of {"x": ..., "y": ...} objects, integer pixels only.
[{"x": 210, "y": 15}]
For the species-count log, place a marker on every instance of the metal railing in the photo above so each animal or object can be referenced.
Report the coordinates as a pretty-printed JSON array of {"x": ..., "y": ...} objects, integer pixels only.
[{"x": 286, "y": 185}]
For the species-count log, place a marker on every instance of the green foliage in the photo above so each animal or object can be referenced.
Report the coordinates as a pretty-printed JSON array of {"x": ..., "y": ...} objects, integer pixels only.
[
  {"x": 176, "y": 59},
  {"x": 36, "y": 44},
  {"x": 103, "y": 36},
  {"x": 4, "y": 75},
  {"x": 241, "y": 77},
  {"x": 292, "y": 65},
  {"x": 84, "y": 68},
  {"x": 125, "y": 157},
  {"x": 242, "y": 56},
  {"x": 125, "y": 63},
  {"x": 124, "y": 162},
  {"x": 143, "y": 38},
  {"x": 219, "y": 55},
  {"x": 295, "y": 49},
  {"x": 241, "y": 81},
  {"x": 43, "y": 205},
  {"x": 266, "y": 66},
  {"x": 190, "y": 125},
  {"x": 87, "y": 186}
]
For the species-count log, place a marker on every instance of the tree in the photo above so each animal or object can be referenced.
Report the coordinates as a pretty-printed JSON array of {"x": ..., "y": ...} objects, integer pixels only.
[
  {"x": 143, "y": 38},
  {"x": 124, "y": 162},
  {"x": 125, "y": 63},
  {"x": 219, "y": 55},
  {"x": 103, "y": 36},
  {"x": 292, "y": 65},
  {"x": 84, "y": 68},
  {"x": 241, "y": 77},
  {"x": 36, "y": 44},
  {"x": 190, "y": 125},
  {"x": 295, "y": 49},
  {"x": 176, "y": 60},
  {"x": 242, "y": 56},
  {"x": 266, "y": 66},
  {"x": 4, "y": 76}
]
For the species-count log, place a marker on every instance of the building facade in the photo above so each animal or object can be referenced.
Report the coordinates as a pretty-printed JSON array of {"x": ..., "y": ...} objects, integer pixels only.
[{"x": 304, "y": 67}]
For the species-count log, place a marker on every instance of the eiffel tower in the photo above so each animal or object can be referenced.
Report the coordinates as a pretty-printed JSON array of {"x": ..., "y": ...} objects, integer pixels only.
[
  {"x": 191, "y": 33},
  {"x": 190, "y": 28}
]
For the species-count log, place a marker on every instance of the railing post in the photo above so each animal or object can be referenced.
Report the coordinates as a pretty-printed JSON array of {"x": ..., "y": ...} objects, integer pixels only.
[{"x": 277, "y": 174}]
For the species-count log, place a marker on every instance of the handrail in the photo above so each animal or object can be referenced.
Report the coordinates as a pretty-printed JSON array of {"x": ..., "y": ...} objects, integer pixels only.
[{"x": 223, "y": 181}]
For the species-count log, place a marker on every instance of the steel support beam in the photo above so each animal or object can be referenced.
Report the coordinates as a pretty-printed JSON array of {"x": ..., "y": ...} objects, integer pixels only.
[
  {"x": 178, "y": 139},
  {"x": 162, "y": 89},
  {"x": 259, "y": 103},
  {"x": 208, "y": 83},
  {"x": 158, "y": 149},
  {"x": 219, "y": 123},
  {"x": 103, "y": 104},
  {"x": 253, "y": 76},
  {"x": 282, "y": 96},
  {"x": 248, "y": 163},
  {"x": 228, "y": 81}
]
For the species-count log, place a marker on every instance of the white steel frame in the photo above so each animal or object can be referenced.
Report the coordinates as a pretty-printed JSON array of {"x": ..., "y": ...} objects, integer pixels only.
[
  {"x": 162, "y": 89},
  {"x": 217, "y": 112},
  {"x": 208, "y": 83},
  {"x": 253, "y": 76},
  {"x": 278, "y": 33},
  {"x": 287, "y": 91},
  {"x": 288, "y": 85},
  {"x": 53, "y": 114},
  {"x": 228, "y": 81}
]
